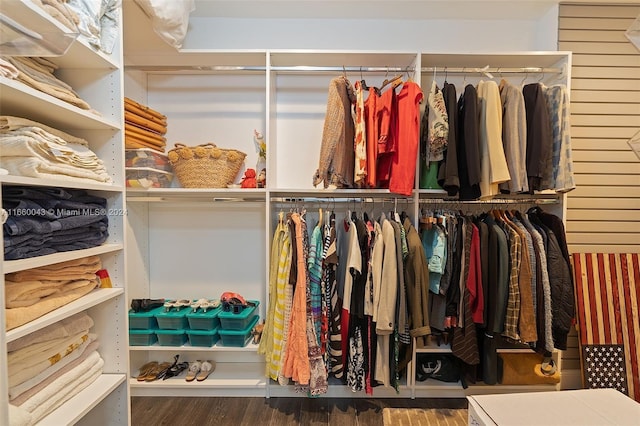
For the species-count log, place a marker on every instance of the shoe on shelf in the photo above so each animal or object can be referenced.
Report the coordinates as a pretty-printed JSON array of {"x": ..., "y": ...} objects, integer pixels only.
[
  {"x": 199, "y": 304},
  {"x": 175, "y": 370},
  {"x": 209, "y": 304},
  {"x": 206, "y": 368},
  {"x": 182, "y": 303},
  {"x": 145, "y": 370},
  {"x": 148, "y": 304},
  {"x": 168, "y": 367},
  {"x": 157, "y": 372},
  {"x": 194, "y": 369},
  {"x": 168, "y": 304},
  {"x": 145, "y": 305}
]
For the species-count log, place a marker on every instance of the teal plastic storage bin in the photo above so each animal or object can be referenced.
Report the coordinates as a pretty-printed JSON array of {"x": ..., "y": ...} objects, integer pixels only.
[
  {"x": 142, "y": 337},
  {"x": 144, "y": 320},
  {"x": 204, "y": 320},
  {"x": 171, "y": 337},
  {"x": 239, "y": 321},
  {"x": 203, "y": 337},
  {"x": 173, "y": 320},
  {"x": 238, "y": 338}
]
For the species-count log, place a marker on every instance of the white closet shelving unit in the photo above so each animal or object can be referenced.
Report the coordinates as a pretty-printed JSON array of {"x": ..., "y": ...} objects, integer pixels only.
[
  {"x": 460, "y": 69},
  {"x": 192, "y": 243},
  {"x": 97, "y": 78}
]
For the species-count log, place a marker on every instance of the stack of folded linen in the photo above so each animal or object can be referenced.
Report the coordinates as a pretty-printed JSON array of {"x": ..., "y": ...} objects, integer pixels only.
[
  {"x": 37, "y": 72},
  {"x": 98, "y": 21},
  {"x": 144, "y": 127},
  {"x": 28, "y": 148},
  {"x": 58, "y": 10},
  {"x": 32, "y": 293},
  {"x": 45, "y": 220},
  {"x": 48, "y": 367}
]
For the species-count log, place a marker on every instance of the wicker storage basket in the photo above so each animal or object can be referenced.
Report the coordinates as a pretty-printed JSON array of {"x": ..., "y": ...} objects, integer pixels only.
[{"x": 205, "y": 166}]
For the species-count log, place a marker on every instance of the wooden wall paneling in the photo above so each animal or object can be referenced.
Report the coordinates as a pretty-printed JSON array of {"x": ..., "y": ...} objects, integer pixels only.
[
  {"x": 603, "y": 211},
  {"x": 605, "y": 108}
]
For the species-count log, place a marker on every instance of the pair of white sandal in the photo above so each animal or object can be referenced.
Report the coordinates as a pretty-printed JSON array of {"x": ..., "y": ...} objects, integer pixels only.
[
  {"x": 205, "y": 304},
  {"x": 177, "y": 304},
  {"x": 200, "y": 370}
]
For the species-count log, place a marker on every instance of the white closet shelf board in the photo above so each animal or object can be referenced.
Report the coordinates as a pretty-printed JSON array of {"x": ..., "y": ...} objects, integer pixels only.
[
  {"x": 434, "y": 349},
  {"x": 431, "y": 387},
  {"x": 78, "y": 406},
  {"x": 336, "y": 193},
  {"x": 188, "y": 348},
  {"x": 490, "y": 389},
  {"x": 228, "y": 379},
  {"x": 94, "y": 298},
  {"x": 212, "y": 194},
  {"x": 432, "y": 192},
  {"x": 197, "y": 59},
  {"x": 320, "y": 58},
  {"x": 50, "y": 259},
  {"x": 537, "y": 198},
  {"x": 532, "y": 59},
  {"x": 86, "y": 184},
  {"x": 23, "y": 100},
  {"x": 80, "y": 53},
  {"x": 341, "y": 391}
]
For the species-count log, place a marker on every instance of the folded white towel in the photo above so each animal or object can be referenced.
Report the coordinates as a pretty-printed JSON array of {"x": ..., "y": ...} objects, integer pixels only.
[
  {"x": 30, "y": 361},
  {"x": 19, "y": 416},
  {"x": 38, "y": 168},
  {"x": 63, "y": 388},
  {"x": 54, "y": 154},
  {"x": 16, "y": 391}
]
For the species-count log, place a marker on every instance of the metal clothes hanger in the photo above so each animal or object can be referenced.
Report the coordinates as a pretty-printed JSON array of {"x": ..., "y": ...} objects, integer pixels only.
[
  {"x": 363, "y": 83},
  {"x": 395, "y": 81}
]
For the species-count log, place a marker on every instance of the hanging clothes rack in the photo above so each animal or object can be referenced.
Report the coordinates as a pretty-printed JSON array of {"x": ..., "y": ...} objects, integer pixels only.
[
  {"x": 497, "y": 70},
  {"x": 293, "y": 69},
  {"x": 303, "y": 69},
  {"x": 338, "y": 199},
  {"x": 370, "y": 69},
  {"x": 514, "y": 200}
]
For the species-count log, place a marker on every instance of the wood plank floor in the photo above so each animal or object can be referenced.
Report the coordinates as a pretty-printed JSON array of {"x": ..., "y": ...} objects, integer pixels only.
[{"x": 185, "y": 411}]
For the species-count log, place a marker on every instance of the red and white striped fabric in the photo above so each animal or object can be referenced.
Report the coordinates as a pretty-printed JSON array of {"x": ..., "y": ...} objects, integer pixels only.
[{"x": 608, "y": 305}]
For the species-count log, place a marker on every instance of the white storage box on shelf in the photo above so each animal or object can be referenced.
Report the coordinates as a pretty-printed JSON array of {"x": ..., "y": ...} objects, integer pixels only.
[
  {"x": 577, "y": 407},
  {"x": 27, "y": 30},
  {"x": 147, "y": 157}
]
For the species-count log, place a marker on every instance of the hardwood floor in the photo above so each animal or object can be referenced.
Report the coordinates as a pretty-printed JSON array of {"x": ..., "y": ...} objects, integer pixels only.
[{"x": 185, "y": 411}]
